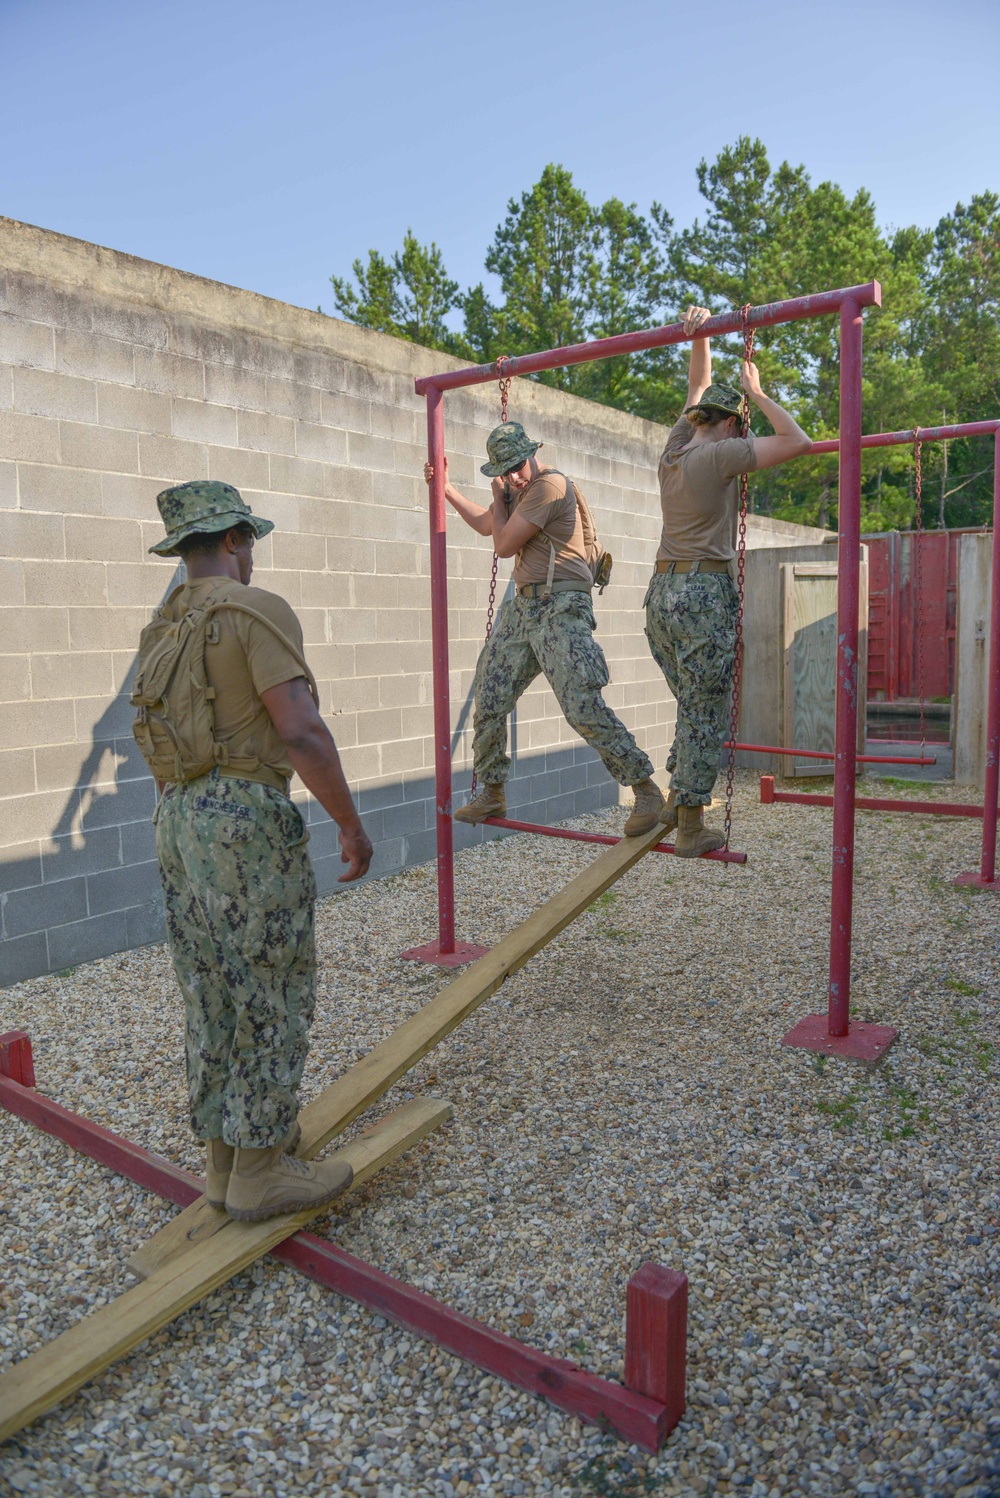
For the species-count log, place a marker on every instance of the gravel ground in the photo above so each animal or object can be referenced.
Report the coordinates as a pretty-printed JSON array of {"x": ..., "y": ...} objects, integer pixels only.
[{"x": 623, "y": 1098}]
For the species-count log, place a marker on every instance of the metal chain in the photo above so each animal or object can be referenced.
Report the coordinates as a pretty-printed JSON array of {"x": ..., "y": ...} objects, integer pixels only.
[
  {"x": 741, "y": 554},
  {"x": 504, "y": 382},
  {"x": 918, "y": 580}
]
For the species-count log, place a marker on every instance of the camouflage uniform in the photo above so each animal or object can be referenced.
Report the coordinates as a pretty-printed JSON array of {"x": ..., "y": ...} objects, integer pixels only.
[
  {"x": 554, "y": 636},
  {"x": 691, "y": 629},
  {"x": 239, "y": 891}
]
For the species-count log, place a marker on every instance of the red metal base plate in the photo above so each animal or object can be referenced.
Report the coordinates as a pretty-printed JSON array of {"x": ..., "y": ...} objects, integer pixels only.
[
  {"x": 465, "y": 951},
  {"x": 864, "y": 1043},
  {"x": 977, "y": 881}
]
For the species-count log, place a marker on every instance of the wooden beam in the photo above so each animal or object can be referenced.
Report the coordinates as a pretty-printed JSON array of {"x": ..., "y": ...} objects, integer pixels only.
[
  {"x": 375, "y": 1073},
  {"x": 40, "y": 1381}
]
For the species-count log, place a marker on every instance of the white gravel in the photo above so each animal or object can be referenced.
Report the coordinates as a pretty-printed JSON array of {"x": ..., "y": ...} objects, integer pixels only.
[{"x": 625, "y": 1097}]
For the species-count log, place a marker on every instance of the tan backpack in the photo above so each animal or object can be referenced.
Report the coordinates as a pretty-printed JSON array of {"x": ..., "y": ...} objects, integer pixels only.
[
  {"x": 598, "y": 560},
  {"x": 174, "y": 724}
]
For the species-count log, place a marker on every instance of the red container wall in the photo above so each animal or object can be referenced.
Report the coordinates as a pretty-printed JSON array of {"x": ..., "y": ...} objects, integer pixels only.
[{"x": 912, "y": 581}]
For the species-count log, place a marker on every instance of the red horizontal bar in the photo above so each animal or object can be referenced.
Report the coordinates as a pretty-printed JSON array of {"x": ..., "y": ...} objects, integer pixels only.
[
  {"x": 721, "y": 855},
  {"x": 875, "y": 803},
  {"x": 862, "y": 759},
  {"x": 109, "y": 1149},
  {"x": 635, "y": 1417},
  {"x": 927, "y": 434},
  {"x": 767, "y": 315}
]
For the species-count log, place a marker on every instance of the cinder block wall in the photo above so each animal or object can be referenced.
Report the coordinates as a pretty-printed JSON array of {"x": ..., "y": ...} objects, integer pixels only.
[{"x": 118, "y": 377}]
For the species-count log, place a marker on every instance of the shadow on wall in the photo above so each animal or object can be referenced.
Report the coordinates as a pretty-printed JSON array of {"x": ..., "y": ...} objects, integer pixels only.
[
  {"x": 91, "y": 888},
  {"x": 95, "y": 889}
]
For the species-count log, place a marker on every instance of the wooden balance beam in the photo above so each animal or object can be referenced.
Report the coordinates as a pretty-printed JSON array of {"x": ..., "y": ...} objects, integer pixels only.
[
  {"x": 43, "y": 1379},
  {"x": 375, "y": 1073}
]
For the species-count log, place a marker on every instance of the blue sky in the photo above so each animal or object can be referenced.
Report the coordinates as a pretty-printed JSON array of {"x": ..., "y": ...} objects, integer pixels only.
[{"x": 267, "y": 145}]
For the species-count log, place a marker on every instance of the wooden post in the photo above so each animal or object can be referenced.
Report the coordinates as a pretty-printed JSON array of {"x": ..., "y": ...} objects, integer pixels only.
[
  {"x": 16, "y": 1061},
  {"x": 656, "y": 1338}
]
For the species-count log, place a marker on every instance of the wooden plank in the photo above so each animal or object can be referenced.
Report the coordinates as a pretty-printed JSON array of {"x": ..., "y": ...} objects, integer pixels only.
[
  {"x": 40, "y": 1381},
  {"x": 632, "y": 1414},
  {"x": 359, "y": 1087},
  {"x": 972, "y": 659}
]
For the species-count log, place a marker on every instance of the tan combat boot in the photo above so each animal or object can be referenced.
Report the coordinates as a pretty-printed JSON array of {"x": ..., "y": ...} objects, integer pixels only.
[
  {"x": 219, "y": 1164},
  {"x": 693, "y": 837},
  {"x": 491, "y": 802},
  {"x": 265, "y": 1183},
  {"x": 646, "y": 811},
  {"x": 668, "y": 814}
]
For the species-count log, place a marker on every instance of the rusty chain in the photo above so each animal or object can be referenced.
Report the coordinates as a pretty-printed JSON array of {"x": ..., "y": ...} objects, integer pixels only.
[
  {"x": 918, "y": 485},
  {"x": 504, "y": 383},
  {"x": 749, "y": 335}
]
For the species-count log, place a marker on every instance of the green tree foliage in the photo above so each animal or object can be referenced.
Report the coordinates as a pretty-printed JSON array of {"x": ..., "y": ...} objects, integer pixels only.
[
  {"x": 568, "y": 270},
  {"x": 409, "y": 295}
]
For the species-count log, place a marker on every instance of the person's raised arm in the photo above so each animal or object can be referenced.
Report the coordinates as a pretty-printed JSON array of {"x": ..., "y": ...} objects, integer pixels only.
[
  {"x": 510, "y": 532},
  {"x": 700, "y": 367},
  {"x": 475, "y": 515},
  {"x": 313, "y": 755},
  {"x": 789, "y": 440}
]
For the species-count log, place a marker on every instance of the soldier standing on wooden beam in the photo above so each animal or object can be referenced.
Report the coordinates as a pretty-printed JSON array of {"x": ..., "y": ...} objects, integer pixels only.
[
  {"x": 692, "y": 602},
  {"x": 227, "y": 709}
]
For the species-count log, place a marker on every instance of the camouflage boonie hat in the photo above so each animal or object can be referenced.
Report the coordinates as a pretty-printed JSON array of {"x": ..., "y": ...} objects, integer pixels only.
[
  {"x": 203, "y": 507},
  {"x": 508, "y": 446},
  {"x": 720, "y": 398}
]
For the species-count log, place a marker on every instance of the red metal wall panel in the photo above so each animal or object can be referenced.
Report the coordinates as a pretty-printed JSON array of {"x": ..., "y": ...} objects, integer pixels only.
[{"x": 912, "y": 607}]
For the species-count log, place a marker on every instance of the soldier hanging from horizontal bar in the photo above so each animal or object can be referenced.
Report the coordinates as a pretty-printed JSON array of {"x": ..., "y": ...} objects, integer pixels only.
[{"x": 693, "y": 605}]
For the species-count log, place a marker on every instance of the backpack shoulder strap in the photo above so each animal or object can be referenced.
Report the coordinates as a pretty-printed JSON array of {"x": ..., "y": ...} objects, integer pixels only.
[{"x": 235, "y": 606}]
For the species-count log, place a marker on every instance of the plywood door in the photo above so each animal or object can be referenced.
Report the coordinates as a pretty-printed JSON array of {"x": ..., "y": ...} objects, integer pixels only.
[{"x": 809, "y": 604}]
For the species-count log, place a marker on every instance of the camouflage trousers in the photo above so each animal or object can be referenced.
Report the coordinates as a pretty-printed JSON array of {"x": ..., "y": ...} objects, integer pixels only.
[
  {"x": 691, "y": 629},
  {"x": 239, "y": 891},
  {"x": 554, "y": 636}
]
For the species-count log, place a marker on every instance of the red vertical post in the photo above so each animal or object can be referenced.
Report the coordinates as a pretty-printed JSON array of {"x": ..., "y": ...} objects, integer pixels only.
[
  {"x": 656, "y": 1338},
  {"x": 846, "y": 736},
  {"x": 16, "y": 1060},
  {"x": 442, "y": 699},
  {"x": 443, "y": 951},
  {"x": 991, "y": 786},
  {"x": 832, "y": 1034},
  {"x": 986, "y": 878}
]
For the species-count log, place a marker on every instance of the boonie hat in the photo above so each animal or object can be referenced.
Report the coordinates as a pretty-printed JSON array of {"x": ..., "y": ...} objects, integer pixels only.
[
  {"x": 203, "y": 507},
  {"x": 508, "y": 447},
  {"x": 720, "y": 398}
]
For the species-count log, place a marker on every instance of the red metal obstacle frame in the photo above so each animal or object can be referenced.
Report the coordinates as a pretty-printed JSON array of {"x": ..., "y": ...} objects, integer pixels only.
[
  {"x": 985, "y": 877},
  {"x": 644, "y": 1410},
  {"x": 829, "y": 1033}
]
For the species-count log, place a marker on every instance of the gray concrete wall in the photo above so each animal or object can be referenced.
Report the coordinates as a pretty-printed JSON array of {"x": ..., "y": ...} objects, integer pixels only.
[
  {"x": 117, "y": 377},
  {"x": 975, "y": 553}
]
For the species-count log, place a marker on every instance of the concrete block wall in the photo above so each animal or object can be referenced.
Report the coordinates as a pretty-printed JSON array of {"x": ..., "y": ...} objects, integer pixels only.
[{"x": 118, "y": 377}]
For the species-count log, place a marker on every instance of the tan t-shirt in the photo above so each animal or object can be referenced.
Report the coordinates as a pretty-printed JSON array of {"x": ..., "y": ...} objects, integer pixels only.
[
  {"x": 549, "y": 502},
  {"x": 247, "y": 659},
  {"x": 700, "y": 495}
]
